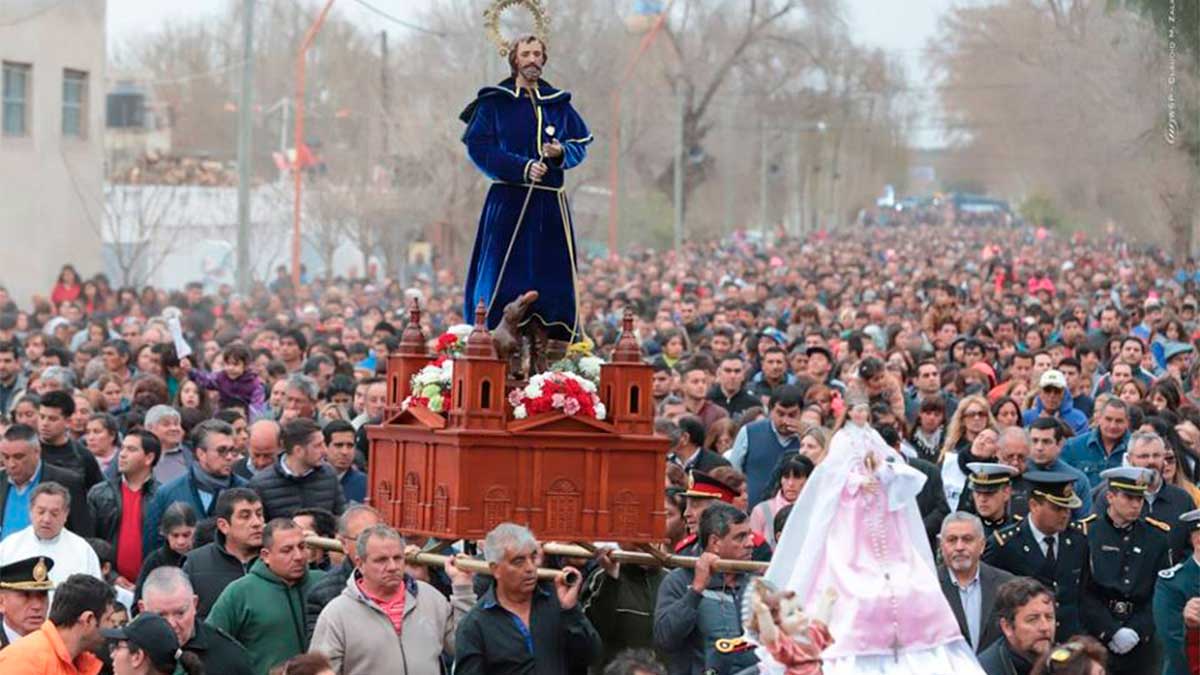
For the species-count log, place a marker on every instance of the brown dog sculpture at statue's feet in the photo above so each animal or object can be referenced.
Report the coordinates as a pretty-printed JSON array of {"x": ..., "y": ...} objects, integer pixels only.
[{"x": 509, "y": 337}]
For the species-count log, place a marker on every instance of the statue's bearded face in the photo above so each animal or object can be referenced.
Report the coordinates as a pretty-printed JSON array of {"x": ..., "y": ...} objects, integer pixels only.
[{"x": 530, "y": 59}]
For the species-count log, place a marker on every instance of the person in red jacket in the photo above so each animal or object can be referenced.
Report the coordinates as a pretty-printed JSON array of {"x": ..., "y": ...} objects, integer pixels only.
[{"x": 67, "y": 288}]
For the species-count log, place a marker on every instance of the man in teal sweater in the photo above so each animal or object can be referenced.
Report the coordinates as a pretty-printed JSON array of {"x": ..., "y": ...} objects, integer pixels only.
[{"x": 264, "y": 610}]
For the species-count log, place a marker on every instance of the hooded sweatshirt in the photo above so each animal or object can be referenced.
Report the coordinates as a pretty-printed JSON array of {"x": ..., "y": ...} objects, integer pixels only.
[{"x": 265, "y": 614}]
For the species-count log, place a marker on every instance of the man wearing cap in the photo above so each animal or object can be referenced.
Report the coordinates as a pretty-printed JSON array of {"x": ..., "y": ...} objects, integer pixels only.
[
  {"x": 820, "y": 366},
  {"x": 1163, "y": 502},
  {"x": 148, "y": 645},
  {"x": 1127, "y": 551},
  {"x": 1054, "y": 400},
  {"x": 1176, "y": 591},
  {"x": 1046, "y": 436},
  {"x": 168, "y": 593},
  {"x": 24, "y": 597},
  {"x": 1046, "y": 546},
  {"x": 991, "y": 492},
  {"x": 67, "y": 642},
  {"x": 703, "y": 491}
]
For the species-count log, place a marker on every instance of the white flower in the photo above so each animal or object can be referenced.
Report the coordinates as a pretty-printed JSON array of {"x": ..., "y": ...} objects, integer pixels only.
[
  {"x": 460, "y": 330},
  {"x": 447, "y": 369},
  {"x": 601, "y": 411},
  {"x": 533, "y": 390},
  {"x": 590, "y": 366},
  {"x": 520, "y": 413}
]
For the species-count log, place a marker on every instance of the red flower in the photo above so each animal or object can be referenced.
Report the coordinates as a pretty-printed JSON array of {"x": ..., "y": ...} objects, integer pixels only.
[{"x": 440, "y": 361}]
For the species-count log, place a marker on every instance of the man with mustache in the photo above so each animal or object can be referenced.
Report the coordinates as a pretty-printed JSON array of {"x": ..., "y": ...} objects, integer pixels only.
[
  {"x": 524, "y": 134},
  {"x": 969, "y": 584},
  {"x": 385, "y": 618}
]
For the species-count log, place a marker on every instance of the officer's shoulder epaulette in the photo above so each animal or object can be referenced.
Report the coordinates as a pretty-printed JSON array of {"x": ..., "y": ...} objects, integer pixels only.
[
  {"x": 1083, "y": 523},
  {"x": 1005, "y": 533},
  {"x": 1159, "y": 524},
  {"x": 1170, "y": 571}
]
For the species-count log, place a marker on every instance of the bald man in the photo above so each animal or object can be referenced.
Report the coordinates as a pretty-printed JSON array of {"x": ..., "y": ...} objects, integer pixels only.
[{"x": 263, "y": 449}]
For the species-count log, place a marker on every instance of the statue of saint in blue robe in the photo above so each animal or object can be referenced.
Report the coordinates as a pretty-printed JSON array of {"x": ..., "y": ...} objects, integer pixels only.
[{"x": 506, "y": 128}]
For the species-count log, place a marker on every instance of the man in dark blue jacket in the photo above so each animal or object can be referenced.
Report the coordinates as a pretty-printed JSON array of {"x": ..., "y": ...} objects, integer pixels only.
[{"x": 199, "y": 487}]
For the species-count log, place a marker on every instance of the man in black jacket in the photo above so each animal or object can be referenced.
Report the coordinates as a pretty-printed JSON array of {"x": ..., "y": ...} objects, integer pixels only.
[
  {"x": 21, "y": 455},
  {"x": 139, "y": 453},
  {"x": 168, "y": 593},
  {"x": 212, "y": 567},
  {"x": 58, "y": 448},
  {"x": 300, "y": 478},
  {"x": 1025, "y": 607},
  {"x": 356, "y": 520}
]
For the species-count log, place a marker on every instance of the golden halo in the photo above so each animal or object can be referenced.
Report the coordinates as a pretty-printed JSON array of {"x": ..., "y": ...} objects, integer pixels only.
[{"x": 491, "y": 22}]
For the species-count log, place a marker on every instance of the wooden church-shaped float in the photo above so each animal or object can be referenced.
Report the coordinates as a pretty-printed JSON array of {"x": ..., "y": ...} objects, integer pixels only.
[{"x": 568, "y": 478}]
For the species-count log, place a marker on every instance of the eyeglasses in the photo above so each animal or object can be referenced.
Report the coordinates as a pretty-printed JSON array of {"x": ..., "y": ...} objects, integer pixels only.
[{"x": 975, "y": 414}]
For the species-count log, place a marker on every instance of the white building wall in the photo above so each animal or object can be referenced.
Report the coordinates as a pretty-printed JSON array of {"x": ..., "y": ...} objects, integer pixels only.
[{"x": 51, "y": 188}]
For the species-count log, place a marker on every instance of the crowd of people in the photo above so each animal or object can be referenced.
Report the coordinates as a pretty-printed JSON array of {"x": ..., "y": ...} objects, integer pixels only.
[{"x": 162, "y": 479}]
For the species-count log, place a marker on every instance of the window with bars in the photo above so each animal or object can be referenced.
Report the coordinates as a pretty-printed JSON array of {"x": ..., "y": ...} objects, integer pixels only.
[
  {"x": 14, "y": 98},
  {"x": 74, "y": 104}
]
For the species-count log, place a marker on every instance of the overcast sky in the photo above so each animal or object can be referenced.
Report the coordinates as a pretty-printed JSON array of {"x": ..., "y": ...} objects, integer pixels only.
[{"x": 902, "y": 28}]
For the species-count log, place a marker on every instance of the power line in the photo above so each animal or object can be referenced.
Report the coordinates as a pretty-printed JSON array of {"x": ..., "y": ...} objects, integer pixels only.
[{"x": 399, "y": 21}]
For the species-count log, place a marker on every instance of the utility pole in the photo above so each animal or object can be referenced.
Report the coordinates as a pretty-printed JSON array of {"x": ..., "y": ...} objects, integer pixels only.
[
  {"x": 728, "y": 172},
  {"x": 244, "y": 139},
  {"x": 680, "y": 167},
  {"x": 385, "y": 97},
  {"x": 797, "y": 184},
  {"x": 762, "y": 179}
]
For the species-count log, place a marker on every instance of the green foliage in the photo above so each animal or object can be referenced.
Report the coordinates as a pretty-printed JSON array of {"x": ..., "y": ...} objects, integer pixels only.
[{"x": 1039, "y": 209}]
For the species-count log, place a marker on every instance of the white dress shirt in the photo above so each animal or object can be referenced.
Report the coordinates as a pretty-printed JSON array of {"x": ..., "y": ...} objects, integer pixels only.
[{"x": 70, "y": 552}]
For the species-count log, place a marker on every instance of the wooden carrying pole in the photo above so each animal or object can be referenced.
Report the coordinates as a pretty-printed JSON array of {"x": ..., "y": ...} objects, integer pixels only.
[
  {"x": 433, "y": 559},
  {"x": 567, "y": 551},
  {"x": 653, "y": 560}
]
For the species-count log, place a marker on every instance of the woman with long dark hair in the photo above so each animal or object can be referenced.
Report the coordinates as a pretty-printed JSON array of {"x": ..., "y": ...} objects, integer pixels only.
[{"x": 787, "y": 480}]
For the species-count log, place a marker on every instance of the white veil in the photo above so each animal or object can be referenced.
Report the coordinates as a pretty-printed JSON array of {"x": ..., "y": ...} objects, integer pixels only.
[{"x": 814, "y": 517}]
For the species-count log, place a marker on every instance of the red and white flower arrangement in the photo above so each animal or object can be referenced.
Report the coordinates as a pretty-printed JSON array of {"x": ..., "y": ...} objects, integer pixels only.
[
  {"x": 430, "y": 386},
  {"x": 566, "y": 392}
]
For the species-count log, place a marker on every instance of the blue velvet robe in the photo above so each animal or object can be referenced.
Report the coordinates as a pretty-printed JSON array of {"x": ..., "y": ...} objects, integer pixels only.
[{"x": 504, "y": 136}]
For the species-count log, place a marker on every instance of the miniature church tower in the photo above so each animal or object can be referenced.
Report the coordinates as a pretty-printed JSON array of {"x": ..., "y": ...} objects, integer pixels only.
[
  {"x": 625, "y": 385},
  {"x": 478, "y": 397},
  {"x": 407, "y": 361}
]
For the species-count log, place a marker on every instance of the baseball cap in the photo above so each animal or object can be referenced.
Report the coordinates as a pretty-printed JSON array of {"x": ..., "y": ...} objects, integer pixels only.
[
  {"x": 1053, "y": 379},
  {"x": 150, "y": 633}
]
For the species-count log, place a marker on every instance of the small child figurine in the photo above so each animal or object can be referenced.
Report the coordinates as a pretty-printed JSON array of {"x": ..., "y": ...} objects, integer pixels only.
[
  {"x": 237, "y": 384},
  {"x": 794, "y": 639}
]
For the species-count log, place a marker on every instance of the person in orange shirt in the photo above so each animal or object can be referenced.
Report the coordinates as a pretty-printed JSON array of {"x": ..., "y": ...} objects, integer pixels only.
[{"x": 66, "y": 643}]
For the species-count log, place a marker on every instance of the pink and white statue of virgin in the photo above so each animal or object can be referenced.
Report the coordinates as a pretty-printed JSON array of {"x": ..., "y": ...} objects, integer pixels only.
[{"x": 855, "y": 539}]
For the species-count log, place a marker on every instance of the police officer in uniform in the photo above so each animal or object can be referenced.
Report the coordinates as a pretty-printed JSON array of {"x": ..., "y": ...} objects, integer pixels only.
[
  {"x": 1174, "y": 589},
  {"x": 25, "y": 594},
  {"x": 1127, "y": 553},
  {"x": 1047, "y": 545},
  {"x": 991, "y": 495},
  {"x": 704, "y": 491}
]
